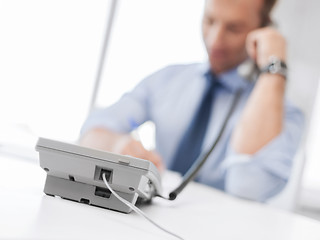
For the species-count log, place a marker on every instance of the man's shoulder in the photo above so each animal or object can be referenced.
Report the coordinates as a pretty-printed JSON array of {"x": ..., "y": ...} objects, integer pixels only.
[
  {"x": 190, "y": 67},
  {"x": 172, "y": 77},
  {"x": 177, "y": 71}
]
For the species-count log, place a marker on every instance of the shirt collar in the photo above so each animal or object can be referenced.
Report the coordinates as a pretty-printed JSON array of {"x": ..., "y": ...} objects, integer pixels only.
[{"x": 230, "y": 80}]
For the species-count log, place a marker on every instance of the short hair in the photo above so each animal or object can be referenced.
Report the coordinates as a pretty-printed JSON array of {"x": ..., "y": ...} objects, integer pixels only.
[{"x": 266, "y": 12}]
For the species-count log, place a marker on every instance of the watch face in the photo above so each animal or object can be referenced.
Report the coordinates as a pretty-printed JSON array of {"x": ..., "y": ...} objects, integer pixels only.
[{"x": 275, "y": 65}]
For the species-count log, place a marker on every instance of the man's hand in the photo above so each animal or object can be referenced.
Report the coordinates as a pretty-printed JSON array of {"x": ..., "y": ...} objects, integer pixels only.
[
  {"x": 264, "y": 43},
  {"x": 123, "y": 144},
  {"x": 132, "y": 147}
]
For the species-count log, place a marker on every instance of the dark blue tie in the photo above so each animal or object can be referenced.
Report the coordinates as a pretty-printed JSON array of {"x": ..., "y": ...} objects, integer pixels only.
[{"x": 191, "y": 142}]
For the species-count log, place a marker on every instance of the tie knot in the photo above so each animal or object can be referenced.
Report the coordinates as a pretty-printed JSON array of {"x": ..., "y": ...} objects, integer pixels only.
[{"x": 211, "y": 79}]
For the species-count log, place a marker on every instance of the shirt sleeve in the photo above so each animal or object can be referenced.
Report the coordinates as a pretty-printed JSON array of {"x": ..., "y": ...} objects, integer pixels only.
[
  {"x": 132, "y": 109},
  {"x": 262, "y": 175}
]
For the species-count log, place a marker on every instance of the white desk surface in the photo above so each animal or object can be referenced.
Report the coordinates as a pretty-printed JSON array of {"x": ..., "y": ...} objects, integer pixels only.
[{"x": 199, "y": 212}]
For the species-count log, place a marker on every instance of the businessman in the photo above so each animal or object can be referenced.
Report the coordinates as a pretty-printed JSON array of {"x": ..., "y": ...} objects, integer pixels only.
[{"x": 189, "y": 104}]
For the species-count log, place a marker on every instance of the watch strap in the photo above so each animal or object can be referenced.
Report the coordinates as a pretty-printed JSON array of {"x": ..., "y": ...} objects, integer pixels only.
[{"x": 275, "y": 66}]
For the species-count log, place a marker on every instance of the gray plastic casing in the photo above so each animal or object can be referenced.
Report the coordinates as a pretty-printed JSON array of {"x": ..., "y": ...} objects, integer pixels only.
[{"x": 74, "y": 173}]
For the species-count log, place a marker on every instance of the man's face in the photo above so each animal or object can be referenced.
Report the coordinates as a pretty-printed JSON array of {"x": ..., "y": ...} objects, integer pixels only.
[{"x": 225, "y": 26}]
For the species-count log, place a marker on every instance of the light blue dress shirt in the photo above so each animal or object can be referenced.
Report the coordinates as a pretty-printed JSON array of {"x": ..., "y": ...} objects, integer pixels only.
[{"x": 170, "y": 98}]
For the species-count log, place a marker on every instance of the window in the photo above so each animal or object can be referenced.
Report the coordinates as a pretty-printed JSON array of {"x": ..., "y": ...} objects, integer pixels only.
[{"x": 49, "y": 56}]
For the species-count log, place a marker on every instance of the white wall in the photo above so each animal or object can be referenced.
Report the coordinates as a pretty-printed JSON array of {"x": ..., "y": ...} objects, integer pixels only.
[{"x": 297, "y": 20}]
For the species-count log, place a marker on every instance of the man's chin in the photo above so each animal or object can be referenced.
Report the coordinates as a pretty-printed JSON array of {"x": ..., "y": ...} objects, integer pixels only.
[{"x": 219, "y": 67}]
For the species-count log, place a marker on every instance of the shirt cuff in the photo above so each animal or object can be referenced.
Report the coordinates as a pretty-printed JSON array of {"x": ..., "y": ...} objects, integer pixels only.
[{"x": 101, "y": 119}]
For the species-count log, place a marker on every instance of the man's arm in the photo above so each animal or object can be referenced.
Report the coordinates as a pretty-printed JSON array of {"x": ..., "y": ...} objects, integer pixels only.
[
  {"x": 262, "y": 118},
  {"x": 107, "y": 140},
  {"x": 264, "y": 174},
  {"x": 109, "y": 129}
]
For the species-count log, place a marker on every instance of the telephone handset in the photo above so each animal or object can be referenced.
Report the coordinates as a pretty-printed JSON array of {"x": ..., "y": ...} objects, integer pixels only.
[{"x": 249, "y": 70}]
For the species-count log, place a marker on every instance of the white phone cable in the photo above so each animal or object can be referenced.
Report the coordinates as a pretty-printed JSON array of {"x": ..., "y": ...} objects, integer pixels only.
[{"x": 137, "y": 210}]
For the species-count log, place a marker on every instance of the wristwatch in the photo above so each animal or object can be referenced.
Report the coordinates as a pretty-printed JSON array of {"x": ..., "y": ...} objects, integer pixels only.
[{"x": 276, "y": 66}]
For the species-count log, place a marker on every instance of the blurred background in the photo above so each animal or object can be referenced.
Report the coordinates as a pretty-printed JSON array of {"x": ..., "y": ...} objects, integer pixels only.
[{"x": 50, "y": 53}]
